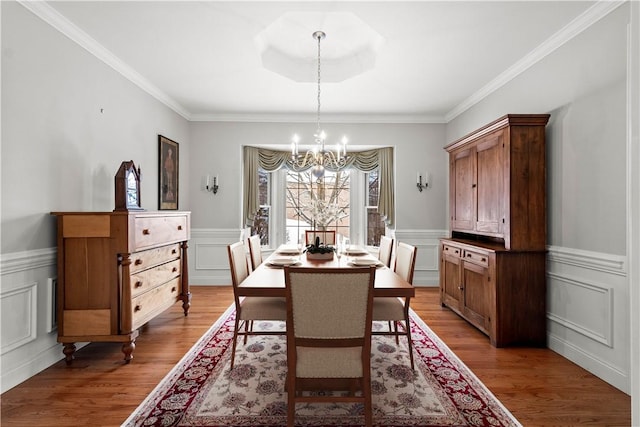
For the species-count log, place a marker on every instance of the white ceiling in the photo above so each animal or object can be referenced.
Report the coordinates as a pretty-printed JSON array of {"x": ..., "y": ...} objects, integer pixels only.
[{"x": 434, "y": 59}]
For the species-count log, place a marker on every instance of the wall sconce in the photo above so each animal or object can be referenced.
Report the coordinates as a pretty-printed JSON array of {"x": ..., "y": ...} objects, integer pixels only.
[
  {"x": 422, "y": 180},
  {"x": 213, "y": 183}
]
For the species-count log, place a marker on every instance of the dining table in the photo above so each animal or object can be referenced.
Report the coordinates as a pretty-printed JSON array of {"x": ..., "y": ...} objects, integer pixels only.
[{"x": 268, "y": 278}]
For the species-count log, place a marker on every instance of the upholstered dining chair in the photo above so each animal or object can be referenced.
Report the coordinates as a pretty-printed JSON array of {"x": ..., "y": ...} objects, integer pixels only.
[
  {"x": 329, "y": 335},
  {"x": 396, "y": 310},
  {"x": 249, "y": 309},
  {"x": 255, "y": 251},
  {"x": 328, "y": 237},
  {"x": 385, "y": 249}
]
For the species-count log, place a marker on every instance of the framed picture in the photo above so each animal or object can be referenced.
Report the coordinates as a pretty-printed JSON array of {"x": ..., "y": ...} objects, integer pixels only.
[{"x": 168, "y": 176}]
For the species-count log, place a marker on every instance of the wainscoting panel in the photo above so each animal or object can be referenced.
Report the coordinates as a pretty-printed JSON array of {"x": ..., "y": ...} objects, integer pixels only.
[
  {"x": 588, "y": 312},
  {"x": 208, "y": 257},
  {"x": 28, "y": 342},
  {"x": 19, "y": 316}
]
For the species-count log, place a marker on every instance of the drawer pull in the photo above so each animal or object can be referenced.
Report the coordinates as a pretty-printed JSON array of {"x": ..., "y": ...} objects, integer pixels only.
[
  {"x": 173, "y": 289},
  {"x": 173, "y": 252},
  {"x": 179, "y": 227},
  {"x": 461, "y": 287},
  {"x": 138, "y": 261},
  {"x": 174, "y": 269},
  {"x": 137, "y": 308},
  {"x": 138, "y": 284},
  {"x": 469, "y": 255},
  {"x": 146, "y": 231},
  {"x": 484, "y": 259}
]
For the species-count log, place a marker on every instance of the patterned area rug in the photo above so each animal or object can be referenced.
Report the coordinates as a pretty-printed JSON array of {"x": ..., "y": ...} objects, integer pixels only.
[{"x": 202, "y": 391}]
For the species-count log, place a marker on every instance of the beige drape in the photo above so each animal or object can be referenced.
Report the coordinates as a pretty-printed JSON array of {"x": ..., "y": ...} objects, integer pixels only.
[{"x": 272, "y": 160}]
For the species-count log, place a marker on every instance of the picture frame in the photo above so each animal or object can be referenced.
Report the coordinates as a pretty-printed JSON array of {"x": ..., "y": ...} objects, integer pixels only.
[{"x": 168, "y": 176}]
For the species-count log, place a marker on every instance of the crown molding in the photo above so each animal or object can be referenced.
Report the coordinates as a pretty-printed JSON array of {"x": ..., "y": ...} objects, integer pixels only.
[
  {"x": 312, "y": 118},
  {"x": 589, "y": 17},
  {"x": 52, "y": 17},
  {"x": 568, "y": 32}
]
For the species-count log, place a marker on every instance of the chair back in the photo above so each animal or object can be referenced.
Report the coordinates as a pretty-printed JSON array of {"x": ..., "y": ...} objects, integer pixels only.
[
  {"x": 405, "y": 261},
  {"x": 385, "y": 249},
  {"x": 255, "y": 251},
  {"x": 328, "y": 237},
  {"x": 238, "y": 266},
  {"x": 329, "y": 303}
]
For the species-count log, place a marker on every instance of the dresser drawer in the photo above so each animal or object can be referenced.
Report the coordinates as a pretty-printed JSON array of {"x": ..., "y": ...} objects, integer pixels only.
[
  {"x": 145, "y": 259},
  {"x": 451, "y": 250},
  {"x": 147, "y": 305},
  {"x": 480, "y": 258},
  {"x": 152, "y": 277},
  {"x": 151, "y": 231}
]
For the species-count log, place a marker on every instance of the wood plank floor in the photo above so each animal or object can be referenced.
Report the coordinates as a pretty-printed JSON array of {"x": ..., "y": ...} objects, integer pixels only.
[{"x": 538, "y": 386}]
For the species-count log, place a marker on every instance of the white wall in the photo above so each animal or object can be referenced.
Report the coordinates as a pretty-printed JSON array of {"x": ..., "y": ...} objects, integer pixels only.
[
  {"x": 216, "y": 148},
  {"x": 68, "y": 121},
  {"x": 583, "y": 86}
]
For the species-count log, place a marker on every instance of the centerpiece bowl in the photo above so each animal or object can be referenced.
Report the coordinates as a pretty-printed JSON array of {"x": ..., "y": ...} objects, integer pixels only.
[{"x": 319, "y": 251}]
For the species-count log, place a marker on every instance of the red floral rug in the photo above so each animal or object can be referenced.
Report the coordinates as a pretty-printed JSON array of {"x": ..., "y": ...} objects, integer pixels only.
[{"x": 202, "y": 391}]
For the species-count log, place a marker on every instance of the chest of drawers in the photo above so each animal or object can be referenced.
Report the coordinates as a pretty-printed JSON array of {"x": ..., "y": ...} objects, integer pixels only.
[{"x": 117, "y": 271}]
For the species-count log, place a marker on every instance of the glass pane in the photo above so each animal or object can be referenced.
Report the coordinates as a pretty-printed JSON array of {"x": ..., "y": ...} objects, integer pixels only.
[
  {"x": 313, "y": 204},
  {"x": 263, "y": 187},
  {"x": 372, "y": 193},
  {"x": 261, "y": 225},
  {"x": 375, "y": 227}
]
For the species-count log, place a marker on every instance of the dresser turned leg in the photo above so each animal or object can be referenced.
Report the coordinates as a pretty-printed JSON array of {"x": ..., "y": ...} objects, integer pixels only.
[
  {"x": 186, "y": 302},
  {"x": 68, "y": 350},
  {"x": 127, "y": 349}
]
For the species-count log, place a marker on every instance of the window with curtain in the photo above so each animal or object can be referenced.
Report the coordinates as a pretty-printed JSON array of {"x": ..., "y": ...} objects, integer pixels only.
[{"x": 279, "y": 202}]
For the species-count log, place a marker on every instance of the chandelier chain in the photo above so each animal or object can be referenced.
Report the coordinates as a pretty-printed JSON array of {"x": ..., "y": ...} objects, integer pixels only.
[{"x": 318, "y": 117}]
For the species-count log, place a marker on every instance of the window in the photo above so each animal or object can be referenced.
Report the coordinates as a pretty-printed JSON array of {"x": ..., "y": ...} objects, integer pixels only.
[
  {"x": 261, "y": 221},
  {"x": 297, "y": 195},
  {"x": 375, "y": 225},
  {"x": 316, "y": 204}
]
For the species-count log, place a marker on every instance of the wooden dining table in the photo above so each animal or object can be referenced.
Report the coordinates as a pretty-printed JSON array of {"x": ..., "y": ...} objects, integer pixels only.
[{"x": 268, "y": 279}]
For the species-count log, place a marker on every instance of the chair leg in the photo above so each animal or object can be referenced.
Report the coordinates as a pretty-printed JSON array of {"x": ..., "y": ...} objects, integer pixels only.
[
  {"x": 291, "y": 402},
  {"x": 368, "y": 406},
  {"x": 235, "y": 340},
  {"x": 395, "y": 330},
  {"x": 409, "y": 340},
  {"x": 248, "y": 326}
]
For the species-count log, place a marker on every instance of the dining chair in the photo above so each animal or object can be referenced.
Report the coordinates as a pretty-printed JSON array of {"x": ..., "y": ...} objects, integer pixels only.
[
  {"x": 329, "y": 335},
  {"x": 252, "y": 308},
  {"x": 328, "y": 237},
  {"x": 255, "y": 251},
  {"x": 395, "y": 310},
  {"x": 385, "y": 249}
]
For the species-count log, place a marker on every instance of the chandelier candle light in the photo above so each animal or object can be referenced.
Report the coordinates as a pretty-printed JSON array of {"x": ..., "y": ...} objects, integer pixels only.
[{"x": 319, "y": 157}]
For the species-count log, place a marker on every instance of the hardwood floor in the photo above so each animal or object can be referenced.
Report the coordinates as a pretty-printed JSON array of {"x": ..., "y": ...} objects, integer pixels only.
[{"x": 538, "y": 386}]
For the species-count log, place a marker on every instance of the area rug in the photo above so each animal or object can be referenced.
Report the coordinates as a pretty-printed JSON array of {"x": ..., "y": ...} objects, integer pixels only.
[{"x": 201, "y": 390}]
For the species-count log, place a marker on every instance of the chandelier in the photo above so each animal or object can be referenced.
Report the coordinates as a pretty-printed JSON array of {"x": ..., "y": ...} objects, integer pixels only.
[{"x": 319, "y": 157}]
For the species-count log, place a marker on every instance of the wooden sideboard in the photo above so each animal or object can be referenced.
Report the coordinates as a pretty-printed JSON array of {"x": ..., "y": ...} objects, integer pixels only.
[
  {"x": 117, "y": 271},
  {"x": 492, "y": 269}
]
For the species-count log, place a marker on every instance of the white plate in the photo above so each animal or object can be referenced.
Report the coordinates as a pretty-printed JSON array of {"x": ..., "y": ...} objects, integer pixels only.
[
  {"x": 288, "y": 251},
  {"x": 355, "y": 251},
  {"x": 281, "y": 262},
  {"x": 365, "y": 262}
]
